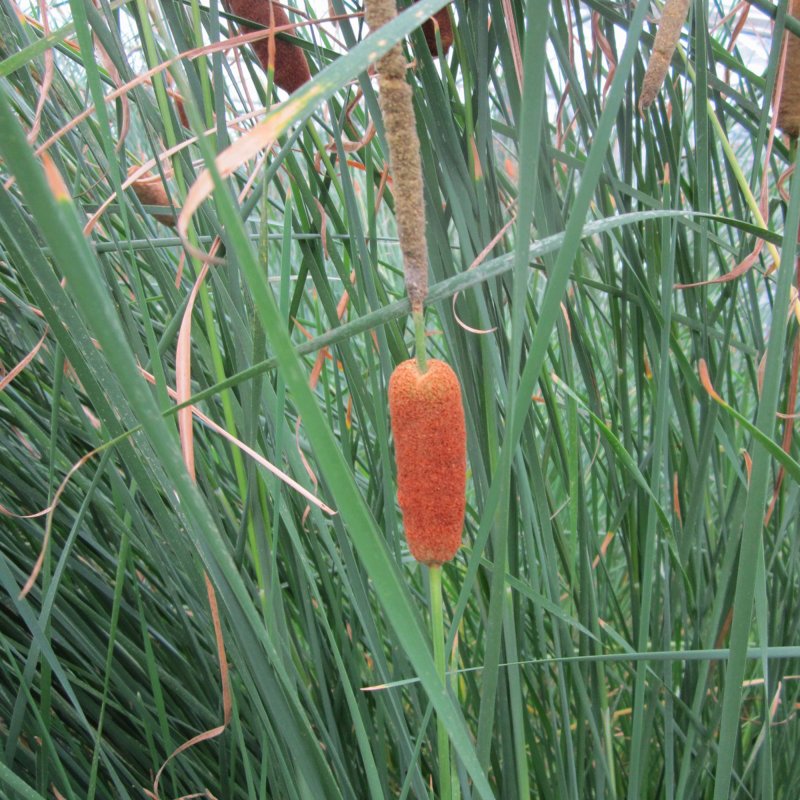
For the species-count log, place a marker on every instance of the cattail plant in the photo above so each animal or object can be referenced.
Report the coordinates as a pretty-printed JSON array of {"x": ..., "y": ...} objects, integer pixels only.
[
  {"x": 151, "y": 191},
  {"x": 429, "y": 432},
  {"x": 789, "y": 101},
  {"x": 291, "y": 66},
  {"x": 667, "y": 37},
  {"x": 424, "y": 397}
]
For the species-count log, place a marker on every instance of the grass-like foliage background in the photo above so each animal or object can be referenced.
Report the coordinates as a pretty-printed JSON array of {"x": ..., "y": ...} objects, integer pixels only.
[{"x": 623, "y": 617}]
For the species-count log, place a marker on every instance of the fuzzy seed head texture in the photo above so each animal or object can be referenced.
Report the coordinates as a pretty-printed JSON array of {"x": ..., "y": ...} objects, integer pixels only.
[
  {"x": 404, "y": 157},
  {"x": 291, "y": 66},
  {"x": 789, "y": 105},
  {"x": 430, "y": 436},
  {"x": 667, "y": 37}
]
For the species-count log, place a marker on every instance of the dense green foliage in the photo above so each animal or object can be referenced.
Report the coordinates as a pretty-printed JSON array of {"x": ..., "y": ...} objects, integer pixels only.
[{"x": 623, "y": 615}]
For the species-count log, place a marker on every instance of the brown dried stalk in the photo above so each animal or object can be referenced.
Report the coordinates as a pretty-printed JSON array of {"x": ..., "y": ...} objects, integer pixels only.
[
  {"x": 401, "y": 133},
  {"x": 669, "y": 33}
]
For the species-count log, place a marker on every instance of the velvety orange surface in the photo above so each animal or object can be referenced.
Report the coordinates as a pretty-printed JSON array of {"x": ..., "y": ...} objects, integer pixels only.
[
  {"x": 291, "y": 67},
  {"x": 430, "y": 443}
]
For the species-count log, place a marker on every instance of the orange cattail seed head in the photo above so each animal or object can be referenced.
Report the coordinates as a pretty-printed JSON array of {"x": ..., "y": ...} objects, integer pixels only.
[
  {"x": 291, "y": 67},
  {"x": 427, "y": 419}
]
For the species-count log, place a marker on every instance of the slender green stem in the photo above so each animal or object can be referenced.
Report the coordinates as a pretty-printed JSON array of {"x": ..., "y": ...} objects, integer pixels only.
[
  {"x": 419, "y": 335},
  {"x": 437, "y": 634}
]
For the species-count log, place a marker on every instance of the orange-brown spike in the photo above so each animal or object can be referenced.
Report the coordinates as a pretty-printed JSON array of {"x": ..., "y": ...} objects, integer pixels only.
[
  {"x": 291, "y": 67},
  {"x": 431, "y": 454},
  {"x": 789, "y": 105},
  {"x": 181, "y": 109},
  {"x": 151, "y": 192},
  {"x": 445, "y": 32},
  {"x": 667, "y": 37}
]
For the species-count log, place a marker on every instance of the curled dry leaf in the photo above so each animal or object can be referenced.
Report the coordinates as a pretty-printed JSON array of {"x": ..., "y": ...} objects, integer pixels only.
[
  {"x": 322, "y": 356},
  {"x": 748, "y": 464},
  {"x": 602, "y": 44},
  {"x": 12, "y": 373},
  {"x": 259, "y": 138},
  {"x": 509, "y": 21},
  {"x": 603, "y": 549},
  {"x": 227, "y": 702},
  {"x": 47, "y": 80},
  {"x": 146, "y": 76},
  {"x": 740, "y": 269},
  {"x": 49, "y": 511},
  {"x": 705, "y": 379},
  {"x": 479, "y": 259}
]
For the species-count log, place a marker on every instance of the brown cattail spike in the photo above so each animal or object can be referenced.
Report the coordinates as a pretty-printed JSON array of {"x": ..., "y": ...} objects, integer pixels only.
[
  {"x": 401, "y": 134},
  {"x": 430, "y": 449},
  {"x": 150, "y": 190},
  {"x": 181, "y": 109},
  {"x": 789, "y": 103},
  {"x": 178, "y": 100},
  {"x": 667, "y": 37},
  {"x": 291, "y": 67},
  {"x": 442, "y": 19}
]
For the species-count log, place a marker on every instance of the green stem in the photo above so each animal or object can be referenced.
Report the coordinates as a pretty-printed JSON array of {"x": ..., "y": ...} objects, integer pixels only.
[
  {"x": 419, "y": 335},
  {"x": 437, "y": 634}
]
